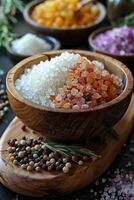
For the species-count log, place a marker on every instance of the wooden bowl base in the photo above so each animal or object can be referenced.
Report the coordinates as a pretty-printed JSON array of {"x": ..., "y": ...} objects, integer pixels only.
[{"x": 45, "y": 183}]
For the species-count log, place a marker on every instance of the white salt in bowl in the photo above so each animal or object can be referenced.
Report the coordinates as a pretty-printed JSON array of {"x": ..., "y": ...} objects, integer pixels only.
[
  {"x": 16, "y": 57},
  {"x": 67, "y": 124}
]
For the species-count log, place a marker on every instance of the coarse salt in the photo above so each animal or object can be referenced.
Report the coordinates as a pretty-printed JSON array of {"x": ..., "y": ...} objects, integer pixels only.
[
  {"x": 30, "y": 44},
  {"x": 43, "y": 79}
]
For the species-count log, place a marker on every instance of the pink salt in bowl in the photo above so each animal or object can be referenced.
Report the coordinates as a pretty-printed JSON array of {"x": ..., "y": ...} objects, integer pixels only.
[
  {"x": 67, "y": 124},
  {"x": 127, "y": 58}
]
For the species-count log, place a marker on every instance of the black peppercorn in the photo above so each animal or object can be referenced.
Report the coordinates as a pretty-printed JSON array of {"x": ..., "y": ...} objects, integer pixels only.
[
  {"x": 44, "y": 167},
  {"x": 40, "y": 163},
  {"x": 24, "y": 138},
  {"x": 58, "y": 168},
  {"x": 25, "y": 160},
  {"x": 18, "y": 158},
  {"x": 87, "y": 97},
  {"x": 61, "y": 166},
  {"x": 30, "y": 156},
  {"x": 37, "y": 160},
  {"x": 49, "y": 168}
]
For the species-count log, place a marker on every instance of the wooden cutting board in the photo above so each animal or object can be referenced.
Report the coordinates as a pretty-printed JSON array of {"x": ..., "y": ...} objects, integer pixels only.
[{"x": 45, "y": 183}]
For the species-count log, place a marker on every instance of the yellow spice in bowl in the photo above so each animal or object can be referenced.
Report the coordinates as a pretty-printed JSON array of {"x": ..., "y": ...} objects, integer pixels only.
[{"x": 57, "y": 13}]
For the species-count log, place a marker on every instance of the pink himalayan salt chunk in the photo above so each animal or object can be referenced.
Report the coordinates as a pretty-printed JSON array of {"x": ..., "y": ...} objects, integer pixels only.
[
  {"x": 85, "y": 74},
  {"x": 79, "y": 95},
  {"x": 74, "y": 91},
  {"x": 58, "y": 97},
  {"x": 88, "y": 87},
  {"x": 104, "y": 87},
  {"x": 76, "y": 107},
  {"x": 84, "y": 106},
  {"x": 96, "y": 96},
  {"x": 67, "y": 105}
]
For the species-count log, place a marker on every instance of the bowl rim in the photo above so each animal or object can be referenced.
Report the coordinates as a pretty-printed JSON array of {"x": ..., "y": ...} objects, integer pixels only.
[
  {"x": 93, "y": 46},
  {"x": 15, "y": 93},
  {"x": 56, "y": 43},
  {"x": 29, "y": 20}
]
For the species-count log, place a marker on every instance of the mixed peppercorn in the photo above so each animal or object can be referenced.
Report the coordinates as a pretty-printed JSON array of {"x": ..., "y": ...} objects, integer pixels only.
[
  {"x": 33, "y": 155},
  {"x": 3, "y": 98}
]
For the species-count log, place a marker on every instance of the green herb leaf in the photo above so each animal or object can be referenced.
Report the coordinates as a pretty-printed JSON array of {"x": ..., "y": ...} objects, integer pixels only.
[
  {"x": 7, "y": 17},
  {"x": 68, "y": 150},
  {"x": 127, "y": 20}
]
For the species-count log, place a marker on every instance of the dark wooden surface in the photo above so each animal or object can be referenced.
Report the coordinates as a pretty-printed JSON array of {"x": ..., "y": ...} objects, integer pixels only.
[{"x": 121, "y": 161}]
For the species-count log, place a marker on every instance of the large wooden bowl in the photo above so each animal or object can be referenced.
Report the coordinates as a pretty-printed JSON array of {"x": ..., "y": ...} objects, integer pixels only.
[
  {"x": 70, "y": 125},
  {"x": 123, "y": 58},
  {"x": 67, "y": 36}
]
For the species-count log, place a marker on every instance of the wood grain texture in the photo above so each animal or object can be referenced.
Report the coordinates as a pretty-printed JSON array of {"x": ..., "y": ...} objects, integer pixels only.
[
  {"x": 66, "y": 124},
  {"x": 45, "y": 183}
]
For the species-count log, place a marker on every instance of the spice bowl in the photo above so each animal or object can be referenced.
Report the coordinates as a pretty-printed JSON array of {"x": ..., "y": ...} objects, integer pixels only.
[
  {"x": 66, "y": 124},
  {"x": 67, "y": 36},
  {"x": 123, "y": 58},
  {"x": 16, "y": 57}
]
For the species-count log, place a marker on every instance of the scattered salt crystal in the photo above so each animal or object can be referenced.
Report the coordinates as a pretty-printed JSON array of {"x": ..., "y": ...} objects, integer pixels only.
[
  {"x": 129, "y": 164},
  {"x": 103, "y": 180},
  {"x": 30, "y": 44},
  {"x": 91, "y": 190},
  {"x": 97, "y": 182}
]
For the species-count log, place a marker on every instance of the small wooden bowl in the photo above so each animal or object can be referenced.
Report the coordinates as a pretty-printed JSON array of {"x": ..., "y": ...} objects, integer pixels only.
[
  {"x": 67, "y": 36},
  {"x": 54, "y": 43},
  {"x": 123, "y": 58},
  {"x": 67, "y": 124}
]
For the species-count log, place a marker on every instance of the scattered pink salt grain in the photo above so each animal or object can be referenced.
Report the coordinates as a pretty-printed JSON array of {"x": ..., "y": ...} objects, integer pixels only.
[{"x": 121, "y": 186}]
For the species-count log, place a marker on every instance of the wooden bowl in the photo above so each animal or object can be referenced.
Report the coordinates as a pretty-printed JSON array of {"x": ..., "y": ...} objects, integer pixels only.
[
  {"x": 67, "y": 124},
  {"x": 54, "y": 43},
  {"x": 123, "y": 58},
  {"x": 67, "y": 36}
]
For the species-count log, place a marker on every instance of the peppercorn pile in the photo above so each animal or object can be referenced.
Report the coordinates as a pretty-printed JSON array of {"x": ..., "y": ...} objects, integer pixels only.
[
  {"x": 37, "y": 155},
  {"x": 3, "y": 98}
]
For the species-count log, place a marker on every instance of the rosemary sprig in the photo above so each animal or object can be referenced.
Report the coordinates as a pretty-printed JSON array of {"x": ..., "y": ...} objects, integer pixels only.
[
  {"x": 5, "y": 34},
  {"x": 8, "y": 9},
  {"x": 68, "y": 150},
  {"x": 127, "y": 20}
]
